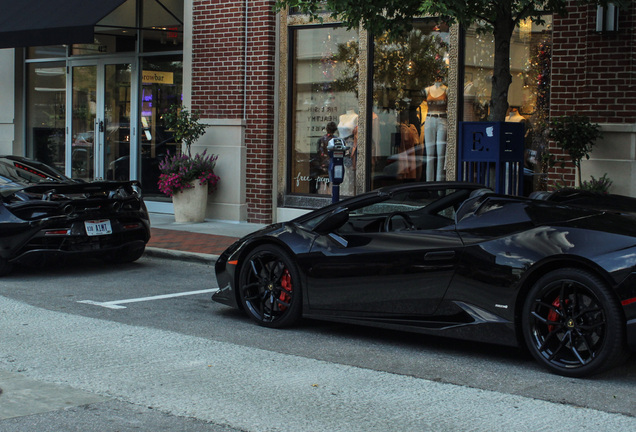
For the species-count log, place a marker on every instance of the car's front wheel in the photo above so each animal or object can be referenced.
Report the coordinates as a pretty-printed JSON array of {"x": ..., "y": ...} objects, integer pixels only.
[
  {"x": 269, "y": 287},
  {"x": 572, "y": 324}
]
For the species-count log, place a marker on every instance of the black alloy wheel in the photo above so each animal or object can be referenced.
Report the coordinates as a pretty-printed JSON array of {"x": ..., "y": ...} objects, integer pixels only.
[
  {"x": 573, "y": 324},
  {"x": 269, "y": 287}
]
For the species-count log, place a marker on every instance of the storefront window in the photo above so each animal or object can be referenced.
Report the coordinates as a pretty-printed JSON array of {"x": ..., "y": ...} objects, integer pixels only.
[
  {"x": 162, "y": 24},
  {"x": 116, "y": 33},
  {"x": 83, "y": 114},
  {"x": 160, "y": 28},
  {"x": 529, "y": 93},
  {"x": 162, "y": 79},
  {"x": 106, "y": 93},
  {"x": 46, "y": 52},
  {"x": 46, "y": 112},
  {"x": 324, "y": 104},
  {"x": 410, "y": 97}
]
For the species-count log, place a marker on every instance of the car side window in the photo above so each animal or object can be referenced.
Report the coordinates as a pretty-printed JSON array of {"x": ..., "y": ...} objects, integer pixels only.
[{"x": 424, "y": 208}]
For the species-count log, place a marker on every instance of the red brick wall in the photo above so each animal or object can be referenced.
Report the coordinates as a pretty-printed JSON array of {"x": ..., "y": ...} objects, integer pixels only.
[
  {"x": 218, "y": 84},
  {"x": 593, "y": 74}
]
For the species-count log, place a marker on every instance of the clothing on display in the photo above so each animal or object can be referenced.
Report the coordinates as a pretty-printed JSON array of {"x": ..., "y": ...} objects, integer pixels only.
[
  {"x": 435, "y": 131},
  {"x": 348, "y": 130},
  {"x": 407, "y": 157}
]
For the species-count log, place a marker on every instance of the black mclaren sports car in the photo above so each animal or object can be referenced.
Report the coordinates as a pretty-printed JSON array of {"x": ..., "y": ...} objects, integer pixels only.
[
  {"x": 44, "y": 214},
  {"x": 556, "y": 273}
]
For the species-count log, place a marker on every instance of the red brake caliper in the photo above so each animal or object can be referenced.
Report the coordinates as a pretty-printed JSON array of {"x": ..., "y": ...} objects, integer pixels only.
[
  {"x": 286, "y": 284},
  {"x": 553, "y": 315}
]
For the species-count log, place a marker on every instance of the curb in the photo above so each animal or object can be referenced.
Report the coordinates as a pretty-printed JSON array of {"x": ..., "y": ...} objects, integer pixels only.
[{"x": 201, "y": 258}]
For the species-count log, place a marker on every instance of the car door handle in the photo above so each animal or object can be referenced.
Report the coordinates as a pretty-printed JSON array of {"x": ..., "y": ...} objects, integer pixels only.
[{"x": 438, "y": 256}]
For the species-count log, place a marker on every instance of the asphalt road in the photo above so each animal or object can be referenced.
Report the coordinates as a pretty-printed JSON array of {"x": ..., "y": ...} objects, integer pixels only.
[{"x": 88, "y": 347}]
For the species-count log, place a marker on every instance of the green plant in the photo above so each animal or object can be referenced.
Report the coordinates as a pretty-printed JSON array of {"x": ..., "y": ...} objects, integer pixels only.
[
  {"x": 576, "y": 135},
  {"x": 600, "y": 185},
  {"x": 184, "y": 124},
  {"x": 178, "y": 172}
]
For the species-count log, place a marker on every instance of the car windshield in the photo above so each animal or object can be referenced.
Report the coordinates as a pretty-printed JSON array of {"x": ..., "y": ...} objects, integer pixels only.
[
  {"x": 424, "y": 208},
  {"x": 18, "y": 173},
  {"x": 406, "y": 202},
  {"x": 27, "y": 172}
]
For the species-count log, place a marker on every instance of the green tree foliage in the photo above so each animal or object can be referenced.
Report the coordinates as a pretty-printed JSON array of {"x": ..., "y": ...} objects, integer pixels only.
[
  {"x": 395, "y": 17},
  {"x": 576, "y": 135},
  {"x": 185, "y": 125}
]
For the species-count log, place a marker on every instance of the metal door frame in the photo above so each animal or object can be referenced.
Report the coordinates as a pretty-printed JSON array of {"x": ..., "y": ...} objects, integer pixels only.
[{"x": 100, "y": 64}]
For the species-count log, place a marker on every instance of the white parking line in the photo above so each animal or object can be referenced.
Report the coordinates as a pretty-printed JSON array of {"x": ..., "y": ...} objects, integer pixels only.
[{"x": 116, "y": 304}]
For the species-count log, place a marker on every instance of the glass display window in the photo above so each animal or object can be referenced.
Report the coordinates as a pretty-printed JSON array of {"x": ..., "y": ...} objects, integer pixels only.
[
  {"x": 116, "y": 33},
  {"x": 162, "y": 24},
  {"x": 46, "y": 112},
  {"x": 83, "y": 108},
  {"x": 324, "y": 104},
  {"x": 162, "y": 86},
  {"x": 46, "y": 52},
  {"x": 529, "y": 93},
  {"x": 410, "y": 94},
  {"x": 410, "y": 100}
]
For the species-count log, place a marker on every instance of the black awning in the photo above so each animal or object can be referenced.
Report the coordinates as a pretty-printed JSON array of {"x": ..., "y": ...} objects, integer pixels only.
[{"x": 51, "y": 22}]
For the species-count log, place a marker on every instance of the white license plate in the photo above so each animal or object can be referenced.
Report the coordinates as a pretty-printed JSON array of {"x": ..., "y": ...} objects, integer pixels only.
[{"x": 98, "y": 227}]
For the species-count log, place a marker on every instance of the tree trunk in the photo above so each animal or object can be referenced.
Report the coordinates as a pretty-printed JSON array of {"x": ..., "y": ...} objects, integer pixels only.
[{"x": 501, "y": 79}]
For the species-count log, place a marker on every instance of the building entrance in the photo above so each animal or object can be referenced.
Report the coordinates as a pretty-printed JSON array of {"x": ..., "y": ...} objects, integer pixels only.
[{"x": 101, "y": 121}]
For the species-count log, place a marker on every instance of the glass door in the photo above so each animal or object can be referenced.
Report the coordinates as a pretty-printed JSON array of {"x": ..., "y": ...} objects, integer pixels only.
[
  {"x": 83, "y": 121},
  {"x": 102, "y": 112},
  {"x": 116, "y": 154}
]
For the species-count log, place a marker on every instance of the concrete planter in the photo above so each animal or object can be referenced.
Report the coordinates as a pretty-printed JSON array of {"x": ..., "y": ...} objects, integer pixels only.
[{"x": 190, "y": 204}]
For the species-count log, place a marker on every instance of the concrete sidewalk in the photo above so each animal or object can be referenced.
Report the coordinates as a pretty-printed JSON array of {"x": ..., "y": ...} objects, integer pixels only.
[{"x": 202, "y": 242}]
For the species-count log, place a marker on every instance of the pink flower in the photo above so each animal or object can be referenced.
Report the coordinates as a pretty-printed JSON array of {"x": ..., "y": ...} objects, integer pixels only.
[{"x": 179, "y": 171}]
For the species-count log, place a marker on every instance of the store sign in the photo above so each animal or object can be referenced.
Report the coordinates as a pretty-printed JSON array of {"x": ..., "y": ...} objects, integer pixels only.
[{"x": 154, "y": 77}]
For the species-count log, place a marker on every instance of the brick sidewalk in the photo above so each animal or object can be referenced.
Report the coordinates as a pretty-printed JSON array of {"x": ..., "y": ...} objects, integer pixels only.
[{"x": 188, "y": 241}]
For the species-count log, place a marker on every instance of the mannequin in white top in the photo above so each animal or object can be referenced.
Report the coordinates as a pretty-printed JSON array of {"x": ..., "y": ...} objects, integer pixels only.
[{"x": 347, "y": 124}]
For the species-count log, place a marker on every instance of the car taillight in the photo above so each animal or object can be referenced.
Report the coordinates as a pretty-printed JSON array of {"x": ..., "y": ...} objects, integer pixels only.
[
  {"x": 58, "y": 232},
  {"x": 132, "y": 226}
]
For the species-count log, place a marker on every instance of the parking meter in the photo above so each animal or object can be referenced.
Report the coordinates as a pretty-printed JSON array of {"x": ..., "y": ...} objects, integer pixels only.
[{"x": 336, "y": 149}]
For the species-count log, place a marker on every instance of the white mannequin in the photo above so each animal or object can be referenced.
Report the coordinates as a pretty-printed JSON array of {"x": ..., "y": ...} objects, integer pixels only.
[
  {"x": 514, "y": 116},
  {"x": 347, "y": 124}
]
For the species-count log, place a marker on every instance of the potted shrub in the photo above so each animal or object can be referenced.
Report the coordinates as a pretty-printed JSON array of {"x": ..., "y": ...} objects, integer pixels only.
[{"x": 187, "y": 179}]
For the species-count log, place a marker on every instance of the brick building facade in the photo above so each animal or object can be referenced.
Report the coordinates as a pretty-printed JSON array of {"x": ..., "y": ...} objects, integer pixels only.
[
  {"x": 594, "y": 75},
  {"x": 234, "y": 77},
  {"x": 267, "y": 84}
]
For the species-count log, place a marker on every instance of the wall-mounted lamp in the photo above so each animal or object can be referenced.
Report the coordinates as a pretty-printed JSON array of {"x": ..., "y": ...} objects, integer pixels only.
[{"x": 607, "y": 18}]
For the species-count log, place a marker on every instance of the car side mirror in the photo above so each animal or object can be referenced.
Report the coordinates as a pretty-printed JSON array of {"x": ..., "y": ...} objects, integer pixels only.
[{"x": 333, "y": 221}]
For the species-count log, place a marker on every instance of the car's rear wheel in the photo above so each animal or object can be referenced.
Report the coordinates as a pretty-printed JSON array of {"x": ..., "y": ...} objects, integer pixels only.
[
  {"x": 572, "y": 324},
  {"x": 269, "y": 287}
]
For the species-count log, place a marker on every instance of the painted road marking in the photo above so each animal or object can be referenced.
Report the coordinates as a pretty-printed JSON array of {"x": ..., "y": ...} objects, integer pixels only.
[{"x": 116, "y": 304}]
